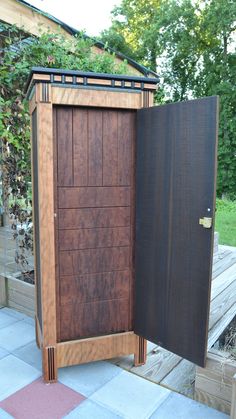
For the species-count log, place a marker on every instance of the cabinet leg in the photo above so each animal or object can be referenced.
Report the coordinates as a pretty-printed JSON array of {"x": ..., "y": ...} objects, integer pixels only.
[
  {"x": 141, "y": 353},
  {"x": 49, "y": 364},
  {"x": 37, "y": 333}
]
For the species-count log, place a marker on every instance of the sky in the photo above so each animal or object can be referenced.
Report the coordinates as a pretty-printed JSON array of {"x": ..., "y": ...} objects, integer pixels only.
[{"x": 90, "y": 15}]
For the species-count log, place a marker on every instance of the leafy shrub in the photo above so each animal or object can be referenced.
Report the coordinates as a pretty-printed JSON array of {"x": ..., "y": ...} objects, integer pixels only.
[{"x": 19, "y": 53}]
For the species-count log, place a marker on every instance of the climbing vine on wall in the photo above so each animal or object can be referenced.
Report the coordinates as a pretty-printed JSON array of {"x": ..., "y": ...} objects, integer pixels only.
[{"x": 19, "y": 53}]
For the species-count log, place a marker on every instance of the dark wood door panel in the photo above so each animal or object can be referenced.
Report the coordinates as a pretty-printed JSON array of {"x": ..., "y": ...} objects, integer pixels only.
[
  {"x": 176, "y": 164},
  {"x": 93, "y": 287},
  {"x": 92, "y": 319},
  {"x": 93, "y": 237},
  {"x": 94, "y": 217},
  {"x": 94, "y": 260},
  {"x": 93, "y": 197}
]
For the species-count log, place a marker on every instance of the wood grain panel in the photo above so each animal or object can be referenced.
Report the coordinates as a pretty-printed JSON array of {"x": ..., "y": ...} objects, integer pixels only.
[
  {"x": 126, "y": 122},
  {"x": 37, "y": 268},
  {"x": 93, "y": 349},
  {"x": 64, "y": 144},
  {"x": 94, "y": 237},
  {"x": 94, "y": 260},
  {"x": 46, "y": 221},
  {"x": 94, "y": 217},
  {"x": 96, "y": 98},
  {"x": 95, "y": 148},
  {"x": 91, "y": 319},
  {"x": 80, "y": 146},
  {"x": 92, "y": 287},
  {"x": 110, "y": 148},
  {"x": 93, "y": 197},
  {"x": 176, "y": 163}
]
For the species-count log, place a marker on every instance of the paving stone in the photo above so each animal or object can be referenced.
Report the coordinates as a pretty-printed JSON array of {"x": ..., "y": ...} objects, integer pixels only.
[
  {"x": 5, "y": 415},
  {"x": 42, "y": 401},
  {"x": 15, "y": 374},
  {"x": 181, "y": 407},
  {"x": 87, "y": 378},
  {"x": 5, "y": 319},
  {"x": 16, "y": 314},
  {"x": 3, "y": 353},
  {"x": 131, "y": 396},
  {"x": 89, "y": 410},
  {"x": 31, "y": 354},
  {"x": 16, "y": 335}
]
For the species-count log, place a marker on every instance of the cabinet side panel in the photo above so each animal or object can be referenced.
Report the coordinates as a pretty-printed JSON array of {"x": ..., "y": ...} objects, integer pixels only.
[{"x": 36, "y": 216}]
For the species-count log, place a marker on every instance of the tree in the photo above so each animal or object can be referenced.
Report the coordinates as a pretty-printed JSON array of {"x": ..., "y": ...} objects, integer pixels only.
[
  {"x": 191, "y": 44},
  {"x": 132, "y": 30}
]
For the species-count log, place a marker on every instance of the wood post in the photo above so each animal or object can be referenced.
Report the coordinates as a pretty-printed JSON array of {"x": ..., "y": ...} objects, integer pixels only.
[
  {"x": 49, "y": 364},
  {"x": 3, "y": 291},
  {"x": 233, "y": 400},
  {"x": 141, "y": 355}
]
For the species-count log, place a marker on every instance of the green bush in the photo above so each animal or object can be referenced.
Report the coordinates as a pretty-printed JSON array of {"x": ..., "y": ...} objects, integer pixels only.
[
  {"x": 225, "y": 222},
  {"x": 18, "y": 56}
]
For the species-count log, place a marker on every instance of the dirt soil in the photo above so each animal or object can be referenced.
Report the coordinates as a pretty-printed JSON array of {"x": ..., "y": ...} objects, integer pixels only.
[
  {"x": 27, "y": 277},
  {"x": 227, "y": 341}
]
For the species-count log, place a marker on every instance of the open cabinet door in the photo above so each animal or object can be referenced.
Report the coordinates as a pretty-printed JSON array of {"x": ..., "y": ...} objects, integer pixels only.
[{"x": 175, "y": 190}]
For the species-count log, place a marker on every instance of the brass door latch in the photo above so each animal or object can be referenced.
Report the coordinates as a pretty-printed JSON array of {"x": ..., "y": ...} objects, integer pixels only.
[{"x": 206, "y": 222}]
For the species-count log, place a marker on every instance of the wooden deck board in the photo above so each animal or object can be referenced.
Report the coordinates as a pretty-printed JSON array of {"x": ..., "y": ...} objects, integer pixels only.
[{"x": 170, "y": 370}]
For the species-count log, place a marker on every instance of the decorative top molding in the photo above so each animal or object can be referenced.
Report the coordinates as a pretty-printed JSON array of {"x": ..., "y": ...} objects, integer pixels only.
[{"x": 73, "y": 78}]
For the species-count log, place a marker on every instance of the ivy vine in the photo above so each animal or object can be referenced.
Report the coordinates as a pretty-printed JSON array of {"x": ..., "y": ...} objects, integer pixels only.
[{"x": 19, "y": 53}]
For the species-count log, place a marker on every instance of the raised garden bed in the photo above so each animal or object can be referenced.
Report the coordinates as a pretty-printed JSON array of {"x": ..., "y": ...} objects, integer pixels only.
[
  {"x": 215, "y": 383},
  {"x": 16, "y": 293}
]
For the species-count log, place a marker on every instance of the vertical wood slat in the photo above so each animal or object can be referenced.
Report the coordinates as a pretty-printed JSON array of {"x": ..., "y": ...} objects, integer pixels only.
[
  {"x": 80, "y": 146},
  {"x": 35, "y": 198},
  {"x": 233, "y": 400},
  {"x": 95, "y": 148},
  {"x": 110, "y": 151},
  {"x": 125, "y": 134},
  {"x": 46, "y": 221},
  {"x": 64, "y": 154}
]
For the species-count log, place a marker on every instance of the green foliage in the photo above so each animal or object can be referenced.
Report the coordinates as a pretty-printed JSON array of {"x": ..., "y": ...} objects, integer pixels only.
[
  {"x": 225, "y": 205},
  {"x": 132, "y": 30},
  {"x": 17, "y": 57},
  {"x": 192, "y": 43},
  {"x": 225, "y": 222}
]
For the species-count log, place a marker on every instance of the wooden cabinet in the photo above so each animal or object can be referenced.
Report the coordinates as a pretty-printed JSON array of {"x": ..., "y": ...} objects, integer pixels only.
[{"x": 118, "y": 191}]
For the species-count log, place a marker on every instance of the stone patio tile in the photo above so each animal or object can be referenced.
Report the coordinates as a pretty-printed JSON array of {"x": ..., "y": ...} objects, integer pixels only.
[
  {"x": 3, "y": 353},
  {"x": 16, "y": 335},
  {"x": 88, "y": 378},
  {"x": 5, "y": 415},
  {"x": 31, "y": 354},
  {"x": 15, "y": 374},
  {"x": 14, "y": 313},
  {"x": 30, "y": 320},
  {"x": 89, "y": 410},
  {"x": 42, "y": 401},
  {"x": 131, "y": 396},
  {"x": 181, "y": 407},
  {"x": 5, "y": 319}
]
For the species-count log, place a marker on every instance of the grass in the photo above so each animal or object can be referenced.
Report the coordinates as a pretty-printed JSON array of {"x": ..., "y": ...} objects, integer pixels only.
[{"x": 225, "y": 222}]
